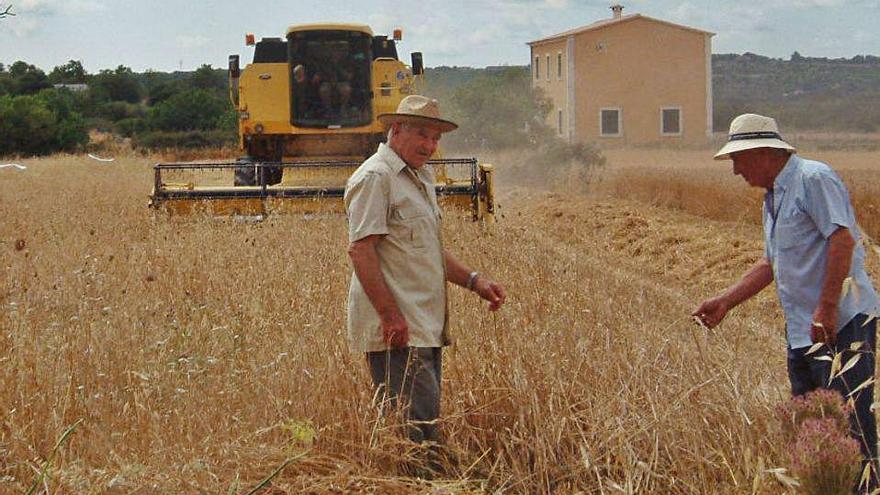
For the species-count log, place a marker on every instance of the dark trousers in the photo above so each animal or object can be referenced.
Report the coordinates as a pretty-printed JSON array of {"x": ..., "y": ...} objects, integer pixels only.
[
  {"x": 409, "y": 379},
  {"x": 806, "y": 373}
]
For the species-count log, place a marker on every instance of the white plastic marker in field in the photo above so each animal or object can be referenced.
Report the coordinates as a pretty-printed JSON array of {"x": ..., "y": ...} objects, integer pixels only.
[
  {"x": 93, "y": 157},
  {"x": 14, "y": 165}
]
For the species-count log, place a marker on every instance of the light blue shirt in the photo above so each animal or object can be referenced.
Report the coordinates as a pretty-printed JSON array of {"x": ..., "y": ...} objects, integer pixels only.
[{"x": 807, "y": 204}]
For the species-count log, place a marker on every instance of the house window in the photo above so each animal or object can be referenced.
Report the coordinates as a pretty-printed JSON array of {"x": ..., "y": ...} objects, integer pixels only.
[
  {"x": 610, "y": 124},
  {"x": 670, "y": 121},
  {"x": 559, "y": 66},
  {"x": 548, "y": 67},
  {"x": 537, "y": 68},
  {"x": 559, "y": 122}
]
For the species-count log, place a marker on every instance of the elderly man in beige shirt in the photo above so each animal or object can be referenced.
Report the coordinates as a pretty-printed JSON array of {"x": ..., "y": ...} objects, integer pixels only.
[{"x": 397, "y": 304}]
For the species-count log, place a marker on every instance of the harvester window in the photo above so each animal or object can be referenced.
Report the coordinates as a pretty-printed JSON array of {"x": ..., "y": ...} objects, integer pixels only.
[
  {"x": 384, "y": 48},
  {"x": 330, "y": 78},
  {"x": 270, "y": 50}
]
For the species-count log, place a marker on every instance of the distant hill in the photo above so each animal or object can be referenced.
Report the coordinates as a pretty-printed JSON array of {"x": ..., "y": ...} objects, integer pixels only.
[{"x": 805, "y": 93}]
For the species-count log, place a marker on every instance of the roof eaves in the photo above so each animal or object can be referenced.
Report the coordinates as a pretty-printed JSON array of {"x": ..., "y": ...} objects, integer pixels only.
[
  {"x": 611, "y": 22},
  {"x": 583, "y": 29}
]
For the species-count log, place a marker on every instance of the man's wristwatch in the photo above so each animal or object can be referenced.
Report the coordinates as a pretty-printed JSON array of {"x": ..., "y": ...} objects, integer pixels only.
[{"x": 472, "y": 278}]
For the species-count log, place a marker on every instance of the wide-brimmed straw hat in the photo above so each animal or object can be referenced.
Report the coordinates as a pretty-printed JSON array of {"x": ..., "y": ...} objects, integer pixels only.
[
  {"x": 749, "y": 131},
  {"x": 419, "y": 110}
]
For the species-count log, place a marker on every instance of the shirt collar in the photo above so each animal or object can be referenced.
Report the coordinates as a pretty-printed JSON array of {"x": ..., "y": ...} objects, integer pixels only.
[
  {"x": 394, "y": 161},
  {"x": 786, "y": 175}
]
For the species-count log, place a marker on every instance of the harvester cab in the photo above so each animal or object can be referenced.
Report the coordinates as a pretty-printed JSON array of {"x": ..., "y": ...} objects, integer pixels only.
[{"x": 307, "y": 117}]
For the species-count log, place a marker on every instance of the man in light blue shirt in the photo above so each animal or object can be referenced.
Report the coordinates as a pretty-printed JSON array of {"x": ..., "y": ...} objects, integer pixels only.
[{"x": 814, "y": 254}]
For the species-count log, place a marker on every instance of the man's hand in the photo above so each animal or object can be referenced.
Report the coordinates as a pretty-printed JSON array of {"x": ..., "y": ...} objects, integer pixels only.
[
  {"x": 824, "y": 328},
  {"x": 395, "y": 330},
  {"x": 712, "y": 311},
  {"x": 490, "y": 291},
  {"x": 364, "y": 258}
]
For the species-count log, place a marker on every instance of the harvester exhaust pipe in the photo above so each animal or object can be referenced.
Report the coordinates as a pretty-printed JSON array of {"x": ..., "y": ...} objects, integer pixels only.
[
  {"x": 418, "y": 64},
  {"x": 234, "y": 74}
]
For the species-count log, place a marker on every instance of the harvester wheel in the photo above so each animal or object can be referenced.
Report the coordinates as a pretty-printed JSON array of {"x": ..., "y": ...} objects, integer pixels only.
[
  {"x": 245, "y": 174},
  {"x": 272, "y": 175}
]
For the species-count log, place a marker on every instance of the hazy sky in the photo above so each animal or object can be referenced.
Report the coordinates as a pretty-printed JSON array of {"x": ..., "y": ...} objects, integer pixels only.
[{"x": 167, "y": 35}]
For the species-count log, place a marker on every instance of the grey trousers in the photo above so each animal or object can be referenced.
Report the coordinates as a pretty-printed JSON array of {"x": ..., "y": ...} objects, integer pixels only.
[{"x": 409, "y": 379}]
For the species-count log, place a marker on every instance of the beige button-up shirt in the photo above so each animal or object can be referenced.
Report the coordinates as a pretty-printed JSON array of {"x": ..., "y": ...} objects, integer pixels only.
[{"x": 386, "y": 197}]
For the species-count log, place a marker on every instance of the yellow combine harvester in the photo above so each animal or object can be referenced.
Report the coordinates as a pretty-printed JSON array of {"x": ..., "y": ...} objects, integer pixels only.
[{"x": 307, "y": 109}]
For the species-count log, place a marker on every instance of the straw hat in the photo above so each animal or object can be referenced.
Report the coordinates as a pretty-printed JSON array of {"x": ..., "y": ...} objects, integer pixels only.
[
  {"x": 418, "y": 109},
  {"x": 749, "y": 131}
]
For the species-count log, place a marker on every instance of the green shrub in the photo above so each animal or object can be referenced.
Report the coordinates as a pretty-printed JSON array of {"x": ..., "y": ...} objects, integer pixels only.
[
  {"x": 130, "y": 127},
  {"x": 38, "y": 125},
  {"x": 194, "y": 109},
  {"x": 119, "y": 110},
  {"x": 120, "y": 84}
]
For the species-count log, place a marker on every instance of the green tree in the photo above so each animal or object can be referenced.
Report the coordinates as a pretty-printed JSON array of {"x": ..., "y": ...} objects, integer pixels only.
[
  {"x": 499, "y": 109},
  {"x": 70, "y": 73},
  {"x": 40, "y": 124},
  {"x": 206, "y": 77},
  {"x": 116, "y": 85},
  {"x": 194, "y": 109},
  {"x": 26, "y": 125},
  {"x": 71, "y": 130},
  {"x": 27, "y": 79},
  {"x": 6, "y": 85},
  {"x": 161, "y": 91}
]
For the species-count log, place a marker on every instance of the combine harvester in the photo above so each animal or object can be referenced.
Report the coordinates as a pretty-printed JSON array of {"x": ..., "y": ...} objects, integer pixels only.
[{"x": 308, "y": 108}]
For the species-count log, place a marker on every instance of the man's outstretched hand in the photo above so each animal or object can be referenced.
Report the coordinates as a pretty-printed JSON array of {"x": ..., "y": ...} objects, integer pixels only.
[
  {"x": 490, "y": 291},
  {"x": 712, "y": 311}
]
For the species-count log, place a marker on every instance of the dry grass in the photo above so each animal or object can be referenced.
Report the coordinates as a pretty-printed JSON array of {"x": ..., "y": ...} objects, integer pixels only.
[
  {"x": 200, "y": 354},
  {"x": 691, "y": 181}
]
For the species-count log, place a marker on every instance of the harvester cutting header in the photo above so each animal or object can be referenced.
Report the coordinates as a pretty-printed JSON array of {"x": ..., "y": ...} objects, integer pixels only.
[{"x": 308, "y": 108}]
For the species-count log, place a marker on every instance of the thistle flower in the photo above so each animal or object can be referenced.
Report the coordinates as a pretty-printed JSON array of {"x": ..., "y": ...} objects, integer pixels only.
[
  {"x": 818, "y": 404},
  {"x": 825, "y": 458}
]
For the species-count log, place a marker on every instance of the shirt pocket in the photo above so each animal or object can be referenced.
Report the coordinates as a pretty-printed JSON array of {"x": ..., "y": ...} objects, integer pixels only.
[
  {"x": 795, "y": 231},
  {"x": 409, "y": 224}
]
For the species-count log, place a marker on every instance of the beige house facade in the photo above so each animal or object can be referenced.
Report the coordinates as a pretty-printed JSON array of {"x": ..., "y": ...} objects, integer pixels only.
[{"x": 627, "y": 80}]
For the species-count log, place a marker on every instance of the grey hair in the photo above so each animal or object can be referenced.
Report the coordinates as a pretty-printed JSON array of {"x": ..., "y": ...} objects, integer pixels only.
[{"x": 403, "y": 125}]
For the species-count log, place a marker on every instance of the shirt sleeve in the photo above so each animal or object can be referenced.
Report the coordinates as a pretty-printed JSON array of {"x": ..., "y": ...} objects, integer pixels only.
[
  {"x": 827, "y": 202},
  {"x": 366, "y": 204}
]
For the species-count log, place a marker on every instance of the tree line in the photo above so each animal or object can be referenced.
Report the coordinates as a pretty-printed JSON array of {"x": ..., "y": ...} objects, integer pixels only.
[
  {"x": 45, "y": 113},
  {"x": 805, "y": 93}
]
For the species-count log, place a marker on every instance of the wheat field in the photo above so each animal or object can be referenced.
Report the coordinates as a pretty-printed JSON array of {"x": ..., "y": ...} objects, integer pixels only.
[
  {"x": 692, "y": 181},
  {"x": 199, "y": 355}
]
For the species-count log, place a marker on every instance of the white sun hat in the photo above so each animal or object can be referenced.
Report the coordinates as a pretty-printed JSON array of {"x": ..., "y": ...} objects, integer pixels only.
[{"x": 749, "y": 131}]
